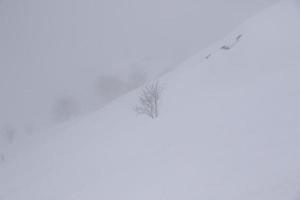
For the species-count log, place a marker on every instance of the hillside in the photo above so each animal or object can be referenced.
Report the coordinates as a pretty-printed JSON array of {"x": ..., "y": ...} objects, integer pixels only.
[
  {"x": 228, "y": 129},
  {"x": 59, "y": 50}
]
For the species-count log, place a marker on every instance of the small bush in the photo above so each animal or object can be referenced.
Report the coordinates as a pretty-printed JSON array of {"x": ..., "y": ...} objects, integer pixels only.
[{"x": 149, "y": 100}]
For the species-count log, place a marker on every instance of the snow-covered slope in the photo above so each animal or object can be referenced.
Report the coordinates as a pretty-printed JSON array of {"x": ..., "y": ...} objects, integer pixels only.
[
  {"x": 228, "y": 129},
  {"x": 61, "y": 49}
]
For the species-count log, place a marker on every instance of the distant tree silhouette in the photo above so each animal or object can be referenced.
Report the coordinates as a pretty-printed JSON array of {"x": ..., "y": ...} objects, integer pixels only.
[
  {"x": 110, "y": 87},
  {"x": 65, "y": 108},
  {"x": 149, "y": 100}
]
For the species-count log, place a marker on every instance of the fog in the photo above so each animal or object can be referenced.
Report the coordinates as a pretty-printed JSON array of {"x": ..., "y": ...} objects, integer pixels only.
[{"x": 63, "y": 58}]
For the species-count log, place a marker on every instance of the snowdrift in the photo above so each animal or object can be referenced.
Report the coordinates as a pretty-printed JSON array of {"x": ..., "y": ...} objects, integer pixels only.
[{"x": 228, "y": 129}]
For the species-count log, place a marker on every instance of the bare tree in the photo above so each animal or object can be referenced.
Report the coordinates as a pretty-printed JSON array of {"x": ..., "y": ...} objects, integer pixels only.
[{"x": 149, "y": 100}]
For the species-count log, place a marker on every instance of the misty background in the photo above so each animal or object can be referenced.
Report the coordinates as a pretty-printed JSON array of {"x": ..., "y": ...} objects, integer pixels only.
[{"x": 60, "y": 59}]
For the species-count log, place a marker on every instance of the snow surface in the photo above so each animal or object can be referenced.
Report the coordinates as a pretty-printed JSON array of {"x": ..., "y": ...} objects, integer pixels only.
[
  {"x": 59, "y": 49},
  {"x": 228, "y": 129}
]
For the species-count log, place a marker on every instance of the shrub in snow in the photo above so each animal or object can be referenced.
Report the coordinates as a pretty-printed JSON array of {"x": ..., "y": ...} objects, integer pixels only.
[
  {"x": 225, "y": 47},
  {"x": 149, "y": 100},
  {"x": 238, "y": 37}
]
